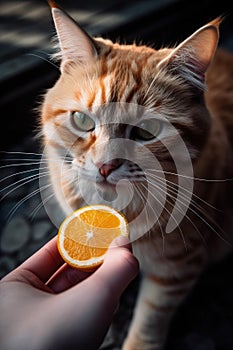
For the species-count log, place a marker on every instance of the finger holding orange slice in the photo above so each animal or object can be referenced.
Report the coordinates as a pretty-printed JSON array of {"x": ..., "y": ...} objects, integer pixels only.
[{"x": 85, "y": 236}]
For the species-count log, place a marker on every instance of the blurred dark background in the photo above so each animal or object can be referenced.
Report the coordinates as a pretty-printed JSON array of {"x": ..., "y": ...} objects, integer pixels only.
[
  {"x": 26, "y": 31},
  {"x": 205, "y": 320}
]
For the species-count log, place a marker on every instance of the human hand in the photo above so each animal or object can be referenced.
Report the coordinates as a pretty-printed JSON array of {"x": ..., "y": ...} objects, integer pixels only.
[{"x": 47, "y": 305}]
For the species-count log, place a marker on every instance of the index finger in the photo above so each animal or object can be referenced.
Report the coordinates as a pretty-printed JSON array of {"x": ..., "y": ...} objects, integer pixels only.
[{"x": 45, "y": 262}]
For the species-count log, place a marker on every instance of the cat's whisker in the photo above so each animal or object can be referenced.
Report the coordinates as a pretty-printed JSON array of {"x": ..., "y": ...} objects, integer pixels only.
[
  {"x": 39, "y": 155},
  {"x": 173, "y": 184},
  {"x": 45, "y": 200},
  {"x": 22, "y": 201},
  {"x": 174, "y": 188},
  {"x": 40, "y": 205},
  {"x": 142, "y": 195},
  {"x": 195, "y": 212},
  {"x": 40, "y": 189},
  {"x": 64, "y": 162},
  {"x": 21, "y": 182},
  {"x": 168, "y": 194},
  {"x": 17, "y": 174},
  {"x": 18, "y": 165},
  {"x": 155, "y": 197},
  {"x": 29, "y": 160},
  {"x": 181, "y": 233},
  {"x": 194, "y": 178},
  {"x": 38, "y": 165},
  {"x": 163, "y": 187},
  {"x": 21, "y": 173},
  {"x": 193, "y": 206},
  {"x": 36, "y": 161},
  {"x": 44, "y": 59},
  {"x": 22, "y": 153}
]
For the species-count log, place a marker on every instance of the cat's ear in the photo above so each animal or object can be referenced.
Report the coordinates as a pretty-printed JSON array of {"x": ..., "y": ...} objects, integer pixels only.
[
  {"x": 75, "y": 44},
  {"x": 193, "y": 56}
]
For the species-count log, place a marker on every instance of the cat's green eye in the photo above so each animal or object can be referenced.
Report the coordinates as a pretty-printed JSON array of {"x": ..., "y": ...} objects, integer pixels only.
[
  {"x": 83, "y": 122},
  {"x": 146, "y": 130}
]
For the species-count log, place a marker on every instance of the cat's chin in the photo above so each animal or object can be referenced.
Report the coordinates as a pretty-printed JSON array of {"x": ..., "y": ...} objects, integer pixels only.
[
  {"x": 110, "y": 191},
  {"x": 106, "y": 186}
]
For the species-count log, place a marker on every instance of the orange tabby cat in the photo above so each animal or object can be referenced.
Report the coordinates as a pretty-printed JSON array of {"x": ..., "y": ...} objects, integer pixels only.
[{"x": 137, "y": 128}]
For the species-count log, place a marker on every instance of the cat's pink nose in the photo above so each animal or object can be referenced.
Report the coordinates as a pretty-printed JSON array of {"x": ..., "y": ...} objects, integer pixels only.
[{"x": 106, "y": 168}]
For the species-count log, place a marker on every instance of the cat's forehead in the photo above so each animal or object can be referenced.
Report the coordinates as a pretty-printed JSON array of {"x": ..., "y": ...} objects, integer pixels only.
[{"x": 120, "y": 113}]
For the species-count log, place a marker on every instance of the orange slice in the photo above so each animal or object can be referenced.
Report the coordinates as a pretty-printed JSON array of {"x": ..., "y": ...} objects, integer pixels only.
[{"x": 86, "y": 234}]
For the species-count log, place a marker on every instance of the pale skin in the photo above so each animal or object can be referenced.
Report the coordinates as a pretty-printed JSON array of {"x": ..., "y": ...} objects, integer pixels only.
[{"x": 45, "y": 304}]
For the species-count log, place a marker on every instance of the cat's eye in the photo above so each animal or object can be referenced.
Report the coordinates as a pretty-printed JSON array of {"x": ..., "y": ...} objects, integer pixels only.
[
  {"x": 83, "y": 122},
  {"x": 146, "y": 130}
]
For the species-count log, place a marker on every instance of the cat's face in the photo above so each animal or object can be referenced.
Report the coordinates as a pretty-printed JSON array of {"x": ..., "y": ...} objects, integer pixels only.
[
  {"x": 119, "y": 113},
  {"x": 108, "y": 141}
]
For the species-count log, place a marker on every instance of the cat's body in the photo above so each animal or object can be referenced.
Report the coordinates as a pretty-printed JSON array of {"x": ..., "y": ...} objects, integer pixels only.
[{"x": 103, "y": 88}]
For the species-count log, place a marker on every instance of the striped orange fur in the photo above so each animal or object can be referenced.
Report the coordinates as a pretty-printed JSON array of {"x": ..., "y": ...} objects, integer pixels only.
[{"x": 113, "y": 87}]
